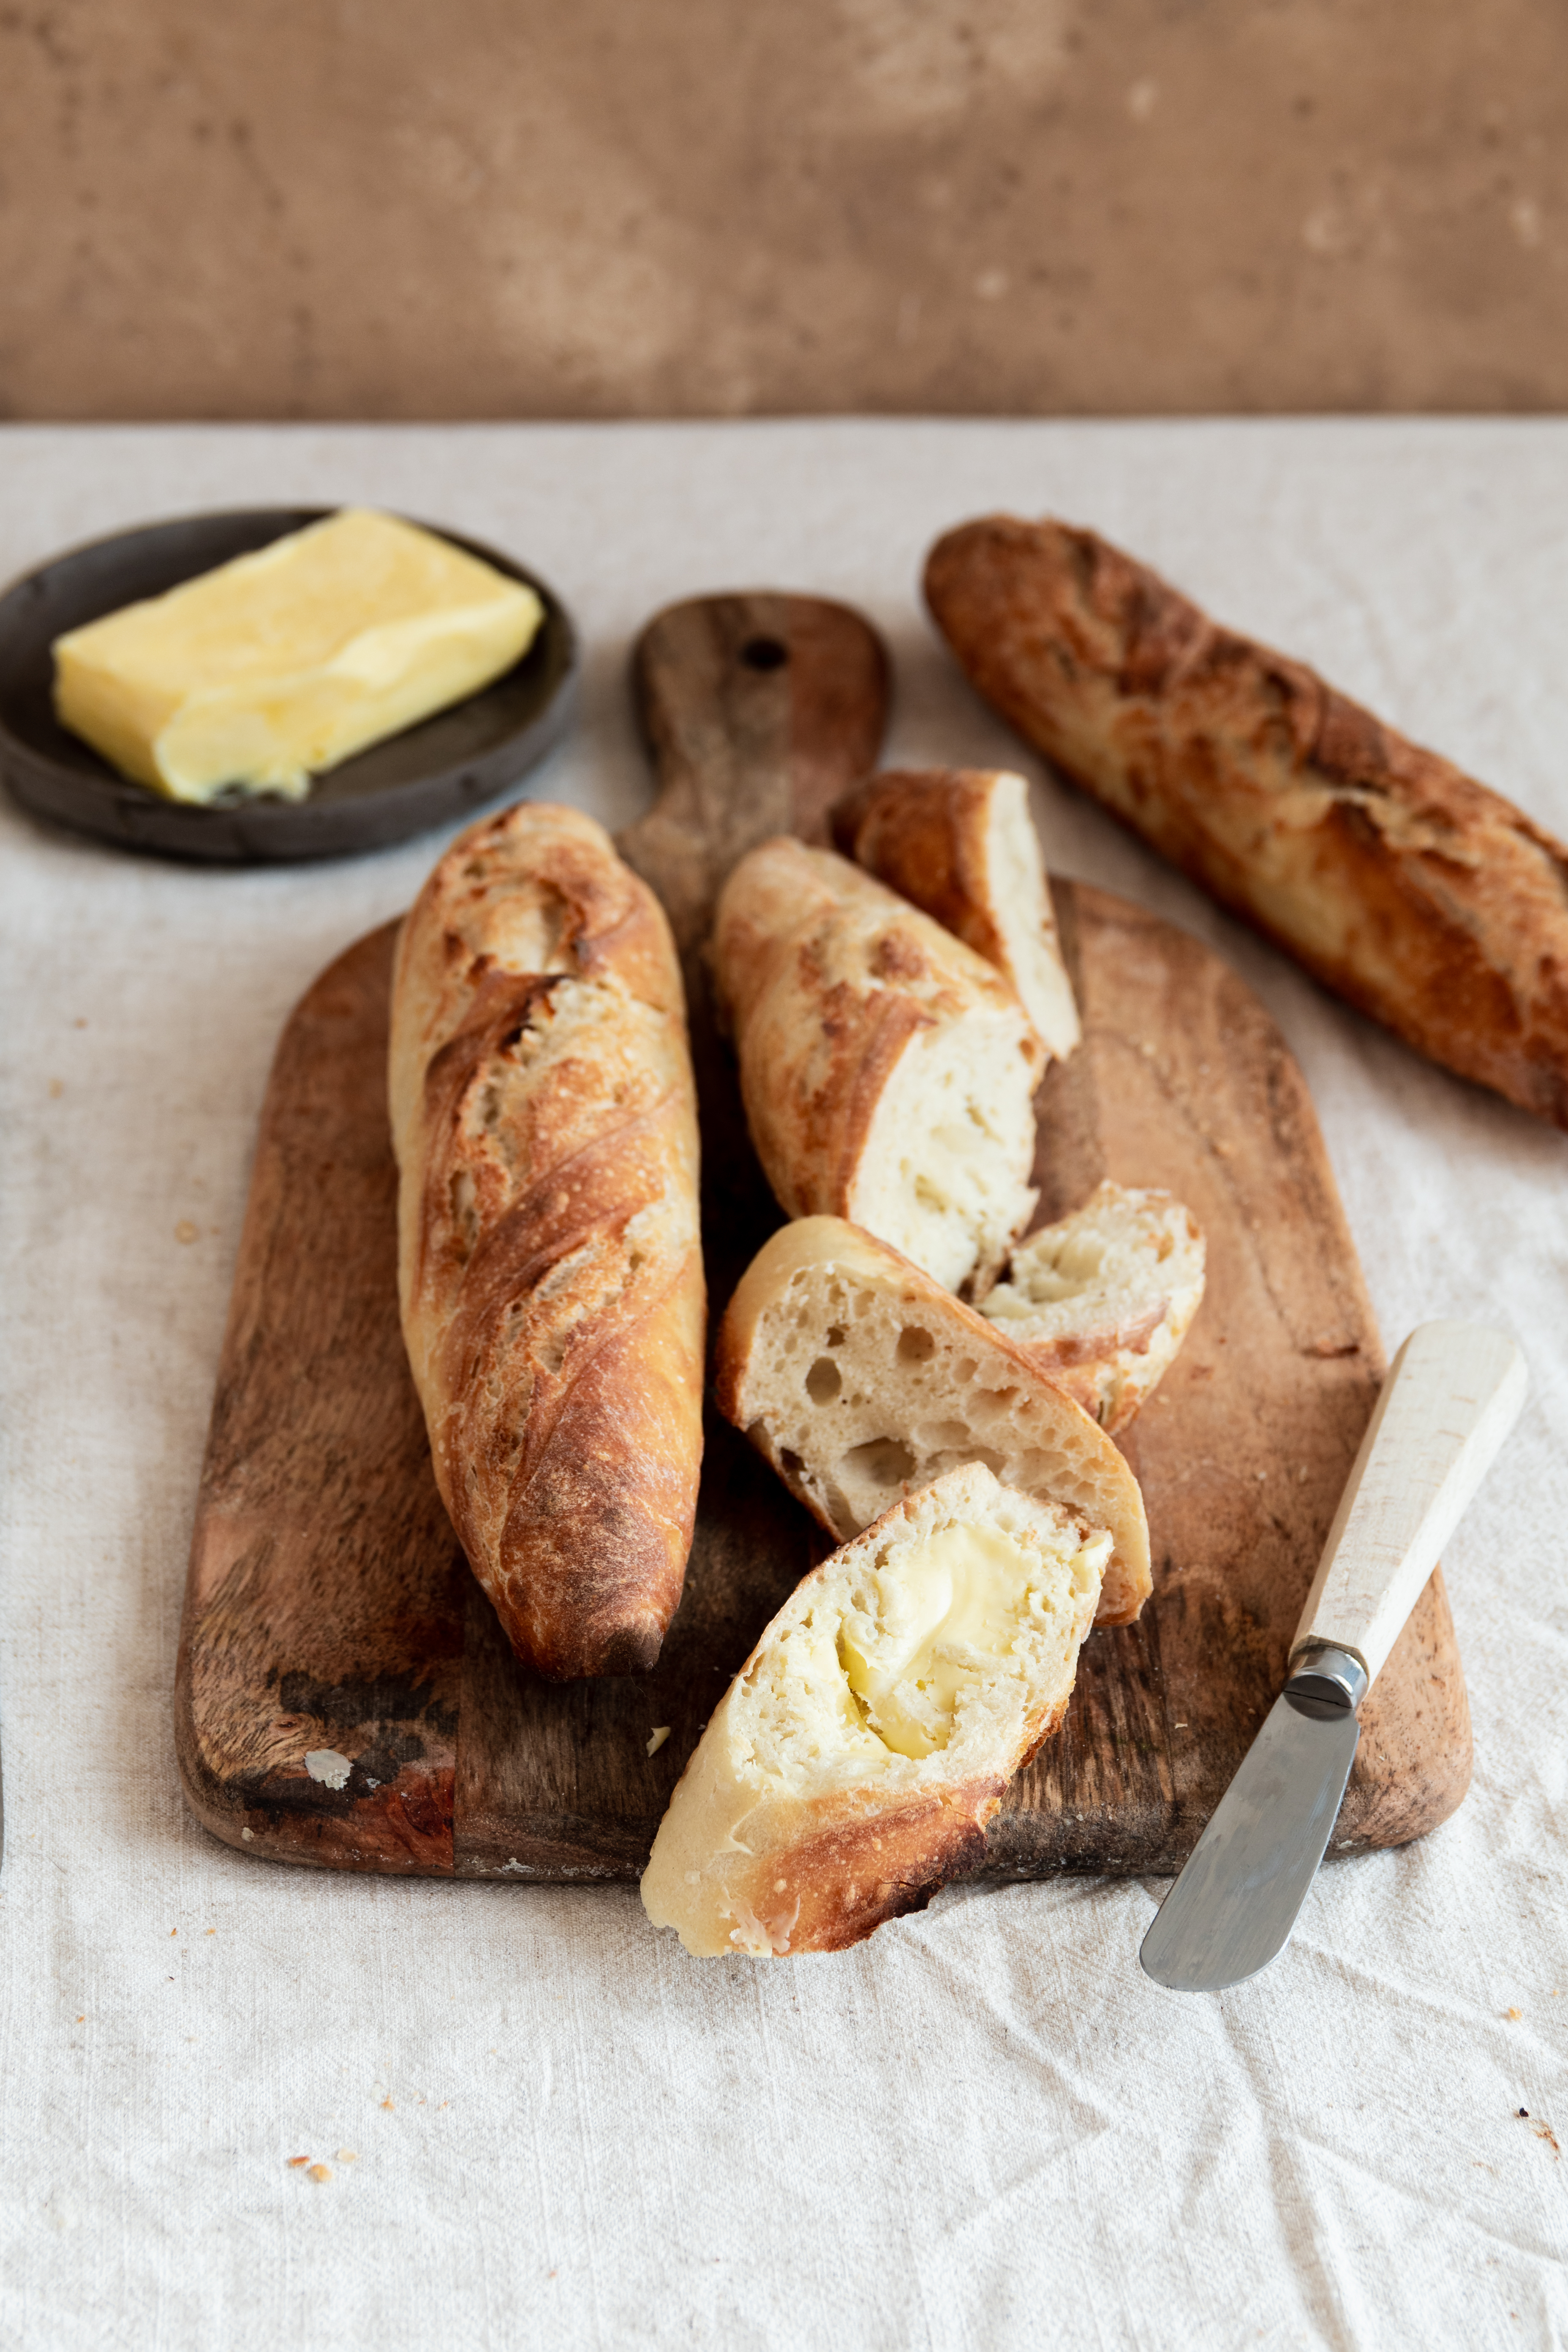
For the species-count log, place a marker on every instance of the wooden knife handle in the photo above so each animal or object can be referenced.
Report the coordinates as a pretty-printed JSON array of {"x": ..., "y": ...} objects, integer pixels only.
[
  {"x": 759, "y": 711},
  {"x": 1451, "y": 1397}
]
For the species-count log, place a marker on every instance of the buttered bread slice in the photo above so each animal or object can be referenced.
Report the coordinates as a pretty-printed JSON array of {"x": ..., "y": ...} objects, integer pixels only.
[
  {"x": 852, "y": 1766},
  {"x": 861, "y": 1380}
]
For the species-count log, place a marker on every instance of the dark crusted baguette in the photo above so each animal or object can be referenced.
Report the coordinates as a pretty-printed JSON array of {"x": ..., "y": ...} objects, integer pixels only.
[{"x": 1428, "y": 901}]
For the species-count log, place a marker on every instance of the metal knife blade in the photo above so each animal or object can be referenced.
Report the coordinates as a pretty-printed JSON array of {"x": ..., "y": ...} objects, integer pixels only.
[
  {"x": 1451, "y": 1397},
  {"x": 1234, "y": 1905}
]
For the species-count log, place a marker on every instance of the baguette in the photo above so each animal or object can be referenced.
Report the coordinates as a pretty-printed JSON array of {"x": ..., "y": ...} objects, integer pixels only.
[
  {"x": 549, "y": 1266},
  {"x": 1428, "y": 902},
  {"x": 887, "y": 1073},
  {"x": 862, "y": 1379},
  {"x": 959, "y": 844},
  {"x": 851, "y": 1767},
  {"x": 1102, "y": 1299}
]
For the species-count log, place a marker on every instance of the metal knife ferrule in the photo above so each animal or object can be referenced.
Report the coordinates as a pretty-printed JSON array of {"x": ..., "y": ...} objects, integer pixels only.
[{"x": 1325, "y": 1682}]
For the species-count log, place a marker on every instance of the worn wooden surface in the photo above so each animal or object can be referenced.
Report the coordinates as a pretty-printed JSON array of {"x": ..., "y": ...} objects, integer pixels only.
[{"x": 329, "y": 1615}]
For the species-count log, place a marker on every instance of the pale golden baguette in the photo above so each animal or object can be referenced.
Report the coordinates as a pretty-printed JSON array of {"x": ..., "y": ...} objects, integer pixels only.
[{"x": 549, "y": 1264}]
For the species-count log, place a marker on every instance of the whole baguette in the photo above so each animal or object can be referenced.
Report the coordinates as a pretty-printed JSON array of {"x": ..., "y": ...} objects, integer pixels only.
[
  {"x": 1428, "y": 901},
  {"x": 887, "y": 1071},
  {"x": 548, "y": 1263}
]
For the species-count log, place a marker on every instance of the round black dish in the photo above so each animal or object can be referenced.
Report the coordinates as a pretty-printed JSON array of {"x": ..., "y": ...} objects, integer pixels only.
[{"x": 423, "y": 777}]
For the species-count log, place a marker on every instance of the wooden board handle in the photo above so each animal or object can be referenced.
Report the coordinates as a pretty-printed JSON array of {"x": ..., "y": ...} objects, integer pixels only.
[
  {"x": 759, "y": 711},
  {"x": 1452, "y": 1395}
]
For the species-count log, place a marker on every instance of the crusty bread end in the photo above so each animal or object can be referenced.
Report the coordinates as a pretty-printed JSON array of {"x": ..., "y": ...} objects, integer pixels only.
[{"x": 959, "y": 844}]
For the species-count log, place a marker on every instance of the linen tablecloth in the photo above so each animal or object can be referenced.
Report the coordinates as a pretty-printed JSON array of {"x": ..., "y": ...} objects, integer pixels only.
[{"x": 542, "y": 2124}]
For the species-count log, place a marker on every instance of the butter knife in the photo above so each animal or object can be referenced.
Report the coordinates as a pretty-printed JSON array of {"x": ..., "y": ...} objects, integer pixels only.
[{"x": 1451, "y": 1399}]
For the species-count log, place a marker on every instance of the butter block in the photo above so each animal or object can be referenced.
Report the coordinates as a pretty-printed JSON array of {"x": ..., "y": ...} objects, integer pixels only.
[{"x": 275, "y": 668}]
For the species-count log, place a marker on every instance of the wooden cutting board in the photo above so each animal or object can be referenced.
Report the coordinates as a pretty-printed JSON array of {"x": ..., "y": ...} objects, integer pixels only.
[{"x": 344, "y": 1695}]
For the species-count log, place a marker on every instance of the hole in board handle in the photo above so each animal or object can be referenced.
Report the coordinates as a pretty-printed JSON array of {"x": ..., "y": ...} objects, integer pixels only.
[{"x": 764, "y": 652}]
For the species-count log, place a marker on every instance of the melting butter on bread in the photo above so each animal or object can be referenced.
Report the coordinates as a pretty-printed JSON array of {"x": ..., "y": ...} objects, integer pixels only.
[
  {"x": 861, "y": 1380},
  {"x": 853, "y": 1764},
  {"x": 1102, "y": 1300},
  {"x": 887, "y": 1071},
  {"x": 959, "y": 844},
  {"x": 548, "y": 1268}
]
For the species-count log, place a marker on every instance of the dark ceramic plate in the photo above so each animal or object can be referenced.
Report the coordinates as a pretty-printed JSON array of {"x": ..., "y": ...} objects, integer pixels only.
[{"x": 426, "y": 776}]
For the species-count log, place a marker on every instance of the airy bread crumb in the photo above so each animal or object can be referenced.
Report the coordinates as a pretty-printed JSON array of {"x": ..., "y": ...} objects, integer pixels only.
[
  {"x": 1102, "y": 1299},
  {"x": 887, "y": 1072},
  {"x": 862, "y": 1379}
]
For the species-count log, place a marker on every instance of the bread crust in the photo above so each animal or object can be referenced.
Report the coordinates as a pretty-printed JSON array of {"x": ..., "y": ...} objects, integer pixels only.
[
  {"x": 827, "y": 980},
  {"x": 549, "y": 1264},
  {"x": 1097, "y": 1481},
  {"x": 926, "y": 833},
  {"x": 1429, "y": 902}
]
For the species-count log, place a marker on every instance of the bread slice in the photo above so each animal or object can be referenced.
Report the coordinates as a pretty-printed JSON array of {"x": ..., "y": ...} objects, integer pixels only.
[
  {"x": 1102, "y": 1299},
  {"x": 887, "y": 1072},
  {"x": 1429, "y": 902},
  {"x": 851, "y": 1767},
  {"x": 961, "y": 844},
  {"x": 545, "y": 1120},
  {"x": 862, "y": 1379}
]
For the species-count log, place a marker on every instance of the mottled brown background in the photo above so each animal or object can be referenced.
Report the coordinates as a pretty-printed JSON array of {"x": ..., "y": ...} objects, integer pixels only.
[{"x": 443, "y": 208}]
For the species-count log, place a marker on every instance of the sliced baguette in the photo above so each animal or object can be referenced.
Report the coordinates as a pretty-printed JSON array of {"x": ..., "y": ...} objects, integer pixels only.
[
  {"x": 861, "y": 1380},
  {"x": 851, "y": 1767},
  {"x": 961, "y": 845},
  {"x": 887, "y": 1072},
  {"x": 1102, "y": 1299}
]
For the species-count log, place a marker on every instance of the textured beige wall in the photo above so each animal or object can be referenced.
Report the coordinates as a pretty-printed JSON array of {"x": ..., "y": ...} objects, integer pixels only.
[{"x": 502, "y": 207}]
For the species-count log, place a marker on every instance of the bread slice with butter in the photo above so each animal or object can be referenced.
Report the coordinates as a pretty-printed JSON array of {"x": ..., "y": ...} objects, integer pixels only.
[
  {"x": 853, "y": 1764},
  {"x": 862, "y": 1379},
  {"x": 887, "y": 1072},
  {"x": 272, "y": 669},
  {"x": 1102, "y": 1300},
  {"x": 959, "y": 844}
]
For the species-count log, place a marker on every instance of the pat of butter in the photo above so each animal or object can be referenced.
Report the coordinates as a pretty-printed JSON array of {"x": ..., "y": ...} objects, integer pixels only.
[
  {"x": 279, "y": 664},
  {"x": 962, "y": 1598}
]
